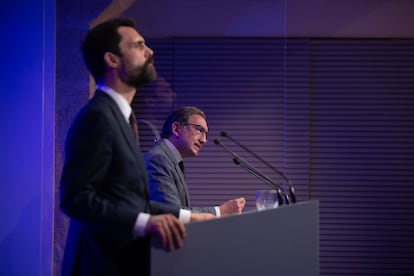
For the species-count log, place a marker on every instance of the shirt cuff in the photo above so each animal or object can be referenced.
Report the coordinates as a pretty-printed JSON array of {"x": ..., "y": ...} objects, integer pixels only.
[
  {"x": 217, "y": 208},
  {"x": 184, "y": 216},
  {"x": 141, "y": 224}
]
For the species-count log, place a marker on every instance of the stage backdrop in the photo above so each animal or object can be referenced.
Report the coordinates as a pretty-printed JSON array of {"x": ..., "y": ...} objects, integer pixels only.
[{"x": 335, "y": 115}]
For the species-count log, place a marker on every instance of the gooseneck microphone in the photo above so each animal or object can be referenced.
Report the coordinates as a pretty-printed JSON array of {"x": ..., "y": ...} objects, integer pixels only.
[
  {"x": 252, "y": 170},
  {"x": 291, "y": 188}
]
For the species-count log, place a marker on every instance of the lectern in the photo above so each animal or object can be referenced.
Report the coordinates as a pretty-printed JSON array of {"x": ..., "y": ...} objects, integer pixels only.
[{"x": 282, "y": 241}]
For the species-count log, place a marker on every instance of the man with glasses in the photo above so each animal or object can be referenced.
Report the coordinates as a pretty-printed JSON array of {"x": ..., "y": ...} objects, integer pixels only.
[{"x": 183, "y": 135}]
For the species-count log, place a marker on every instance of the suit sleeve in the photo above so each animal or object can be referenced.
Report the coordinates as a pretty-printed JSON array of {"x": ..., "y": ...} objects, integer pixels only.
[
  {"x": 162, "y": 182},
  {"x": 165, "y": 186}
]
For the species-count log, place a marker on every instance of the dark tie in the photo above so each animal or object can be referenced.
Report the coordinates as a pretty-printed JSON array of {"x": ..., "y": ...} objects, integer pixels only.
[
  {"x": 187, "y": 195},
  {"x": 134, "y": 126}
]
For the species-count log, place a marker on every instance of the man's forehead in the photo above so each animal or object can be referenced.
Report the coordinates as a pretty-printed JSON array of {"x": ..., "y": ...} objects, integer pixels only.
[
  {"x": 129, "y": 34},
  {"x": 197, "y": 119}
]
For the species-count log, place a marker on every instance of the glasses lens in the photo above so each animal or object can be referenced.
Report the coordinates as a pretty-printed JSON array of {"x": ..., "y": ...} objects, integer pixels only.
[{"x": 199, "y": 130}]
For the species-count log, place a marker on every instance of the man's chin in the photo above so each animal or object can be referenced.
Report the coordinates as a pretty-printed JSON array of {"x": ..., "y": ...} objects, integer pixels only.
[
  {"x": 153, "y": 76},
  {"x": 151, "y": 72},
  {"x": 149, "y": 77}
]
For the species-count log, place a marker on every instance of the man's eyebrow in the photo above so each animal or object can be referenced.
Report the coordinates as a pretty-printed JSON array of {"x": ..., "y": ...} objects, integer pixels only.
[{"x": 138, "y": 42}]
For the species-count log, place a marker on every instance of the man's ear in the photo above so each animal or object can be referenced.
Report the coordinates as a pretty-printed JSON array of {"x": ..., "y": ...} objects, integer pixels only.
[
  {"x": 111, "y": 60},
  {"x": 175, "y": 128}
]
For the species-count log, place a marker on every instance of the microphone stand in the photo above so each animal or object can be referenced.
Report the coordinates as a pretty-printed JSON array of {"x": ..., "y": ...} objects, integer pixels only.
[
  {"x": 244, "y": 164},
  {"x": 261, "y": 176},
  {"x": 291, "y": 188}
]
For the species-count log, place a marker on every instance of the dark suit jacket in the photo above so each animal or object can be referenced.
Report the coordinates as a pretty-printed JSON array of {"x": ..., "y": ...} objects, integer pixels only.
[
  {"x": 167, "y": 181},
  {"x": 103, "y": 188}
]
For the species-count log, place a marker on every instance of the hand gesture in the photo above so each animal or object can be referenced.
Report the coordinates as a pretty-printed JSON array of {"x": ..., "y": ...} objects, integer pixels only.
[
  {"x": 234, "y": 206},
  {"x": 166, "y": 231}
]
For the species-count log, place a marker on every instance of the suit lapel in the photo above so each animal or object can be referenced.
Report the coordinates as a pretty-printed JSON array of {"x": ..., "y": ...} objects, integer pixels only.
[
  {"x": 182, "y": 183},
  {"x": 125, "y": 128}
]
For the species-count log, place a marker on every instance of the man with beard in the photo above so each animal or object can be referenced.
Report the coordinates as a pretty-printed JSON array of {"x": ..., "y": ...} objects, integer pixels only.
[{"x": 104, "y": 185}]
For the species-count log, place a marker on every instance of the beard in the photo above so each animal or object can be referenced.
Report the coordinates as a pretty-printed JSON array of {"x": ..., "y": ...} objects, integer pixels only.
[{"x": 139, "y": 75}]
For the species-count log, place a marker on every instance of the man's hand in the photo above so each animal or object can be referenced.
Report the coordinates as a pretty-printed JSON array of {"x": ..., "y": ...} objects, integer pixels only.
[
  {"x": 234, "y": 206},
  {"x": 166, "y": 231},
  {"x": 201, "y": 216}
]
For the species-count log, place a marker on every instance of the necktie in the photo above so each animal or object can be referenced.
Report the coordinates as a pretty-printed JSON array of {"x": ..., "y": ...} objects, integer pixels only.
[
  {"x": 134, "y": 126},
  {"x": 186, "y": 203}
]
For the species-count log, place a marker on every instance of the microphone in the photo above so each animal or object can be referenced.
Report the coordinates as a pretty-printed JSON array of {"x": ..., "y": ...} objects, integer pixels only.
[
  {"x": 291, "y": 188},
  {"x": 244, "y": 164}
]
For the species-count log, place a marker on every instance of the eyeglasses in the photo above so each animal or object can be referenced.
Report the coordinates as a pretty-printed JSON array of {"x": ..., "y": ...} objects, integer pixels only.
[{"x": 199, "y": 130}]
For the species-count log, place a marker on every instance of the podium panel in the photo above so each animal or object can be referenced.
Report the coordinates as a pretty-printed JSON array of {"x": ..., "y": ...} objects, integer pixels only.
[{"x": 281, "y": 241}]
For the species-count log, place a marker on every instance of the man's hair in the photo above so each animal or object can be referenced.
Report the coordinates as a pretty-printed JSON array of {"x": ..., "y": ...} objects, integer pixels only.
[
  {"x": 101, "y": 39},
  {"x": 180, "y": 115}
]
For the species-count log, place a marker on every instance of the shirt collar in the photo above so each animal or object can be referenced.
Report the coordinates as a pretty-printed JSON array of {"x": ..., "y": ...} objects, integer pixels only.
[
  {"x": 120, "y": 101},
  {"x": 174, "y": 150}
]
